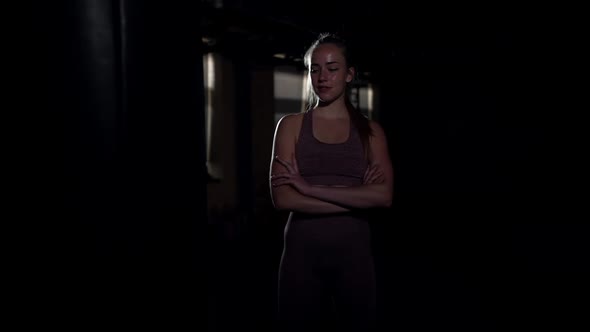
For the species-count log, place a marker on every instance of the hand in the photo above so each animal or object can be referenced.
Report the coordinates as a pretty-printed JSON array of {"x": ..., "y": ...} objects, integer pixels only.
[
  {"x": 373, "y": 175},
  {"x": 291, "y": 177}
]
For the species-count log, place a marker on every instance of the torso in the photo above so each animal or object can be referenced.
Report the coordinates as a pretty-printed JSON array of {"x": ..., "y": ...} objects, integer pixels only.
[{"x": 329, "y": 155}]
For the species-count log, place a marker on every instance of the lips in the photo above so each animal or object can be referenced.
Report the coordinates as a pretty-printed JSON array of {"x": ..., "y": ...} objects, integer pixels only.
[{"x": 324, "y": 88}]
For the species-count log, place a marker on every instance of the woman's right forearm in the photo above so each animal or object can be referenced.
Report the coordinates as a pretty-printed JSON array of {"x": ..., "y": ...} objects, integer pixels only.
[{"x": 287, "y": 199}]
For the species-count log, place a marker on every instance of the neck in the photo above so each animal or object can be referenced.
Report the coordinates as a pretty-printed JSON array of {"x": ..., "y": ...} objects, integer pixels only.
[{"x": 335, "y": 109}]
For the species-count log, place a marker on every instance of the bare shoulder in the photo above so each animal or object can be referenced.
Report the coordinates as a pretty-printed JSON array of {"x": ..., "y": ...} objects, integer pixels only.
[
  {"x": 377, "y": 129},
  {"x": 379, "y": 145},
  {"x": 290, "y": 123},
  {"x": 290, "y": 119}
]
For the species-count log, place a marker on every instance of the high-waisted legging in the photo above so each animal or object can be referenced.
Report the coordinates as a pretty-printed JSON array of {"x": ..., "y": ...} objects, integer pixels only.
[{"x": 326, "y": 272}]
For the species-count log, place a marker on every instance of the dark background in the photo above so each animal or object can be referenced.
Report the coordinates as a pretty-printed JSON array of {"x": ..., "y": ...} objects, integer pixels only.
[{"x": 482, "y": 235}]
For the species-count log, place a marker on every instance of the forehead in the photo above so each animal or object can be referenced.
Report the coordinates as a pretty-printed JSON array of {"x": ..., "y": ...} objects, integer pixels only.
[{"x": 327, "y": 53}]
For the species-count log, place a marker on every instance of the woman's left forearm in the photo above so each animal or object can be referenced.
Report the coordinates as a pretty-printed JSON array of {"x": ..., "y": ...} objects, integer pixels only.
[{"x": 359, "y": 197}]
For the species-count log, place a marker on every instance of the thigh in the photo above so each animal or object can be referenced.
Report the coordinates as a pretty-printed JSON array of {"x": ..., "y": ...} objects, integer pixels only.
[
  {"x": 301, "y": 295},
  {"x": 354, "y": 290}
]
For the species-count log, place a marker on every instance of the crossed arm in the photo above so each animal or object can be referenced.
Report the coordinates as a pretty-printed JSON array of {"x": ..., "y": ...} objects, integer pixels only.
[{"x": 291, "y": 192}]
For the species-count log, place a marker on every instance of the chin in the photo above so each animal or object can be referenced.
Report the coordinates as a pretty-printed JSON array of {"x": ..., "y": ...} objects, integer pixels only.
[{"x": 326, "y": 98}]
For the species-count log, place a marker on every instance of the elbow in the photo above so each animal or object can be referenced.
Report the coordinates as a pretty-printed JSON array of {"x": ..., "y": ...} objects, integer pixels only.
[
  {"x": 280, "y": 205},
  {"x": 386, "y": 201},
  {"x": 282, "y": 200},
  {"x": 382, "y": 197},
  {"x": 386, "y": 204}
]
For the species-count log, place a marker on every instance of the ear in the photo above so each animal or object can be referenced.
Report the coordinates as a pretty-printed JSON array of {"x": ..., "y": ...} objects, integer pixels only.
[{"x": 350, "y": 75}]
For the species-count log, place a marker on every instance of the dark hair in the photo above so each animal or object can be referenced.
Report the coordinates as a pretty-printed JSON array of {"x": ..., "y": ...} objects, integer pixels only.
[{"x": 359, "y": 120}]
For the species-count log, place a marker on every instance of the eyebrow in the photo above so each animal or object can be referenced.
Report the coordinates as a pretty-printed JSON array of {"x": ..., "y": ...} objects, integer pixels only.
[{"x": 327, "y": 63}]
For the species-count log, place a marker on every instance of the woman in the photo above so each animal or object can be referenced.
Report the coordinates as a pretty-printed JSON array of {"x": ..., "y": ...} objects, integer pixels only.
[{"x": 330, "y": 165}]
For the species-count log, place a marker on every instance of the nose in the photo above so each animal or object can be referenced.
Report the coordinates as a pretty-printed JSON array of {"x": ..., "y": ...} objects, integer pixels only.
[{"x": 323, "y": 75}]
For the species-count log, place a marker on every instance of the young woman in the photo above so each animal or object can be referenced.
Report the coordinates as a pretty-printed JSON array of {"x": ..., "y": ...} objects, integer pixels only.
[{"x": 330, "y": 164}]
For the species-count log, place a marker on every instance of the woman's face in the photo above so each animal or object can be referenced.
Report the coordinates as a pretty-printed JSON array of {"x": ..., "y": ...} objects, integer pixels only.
[{"x": 329, "y": 73}]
